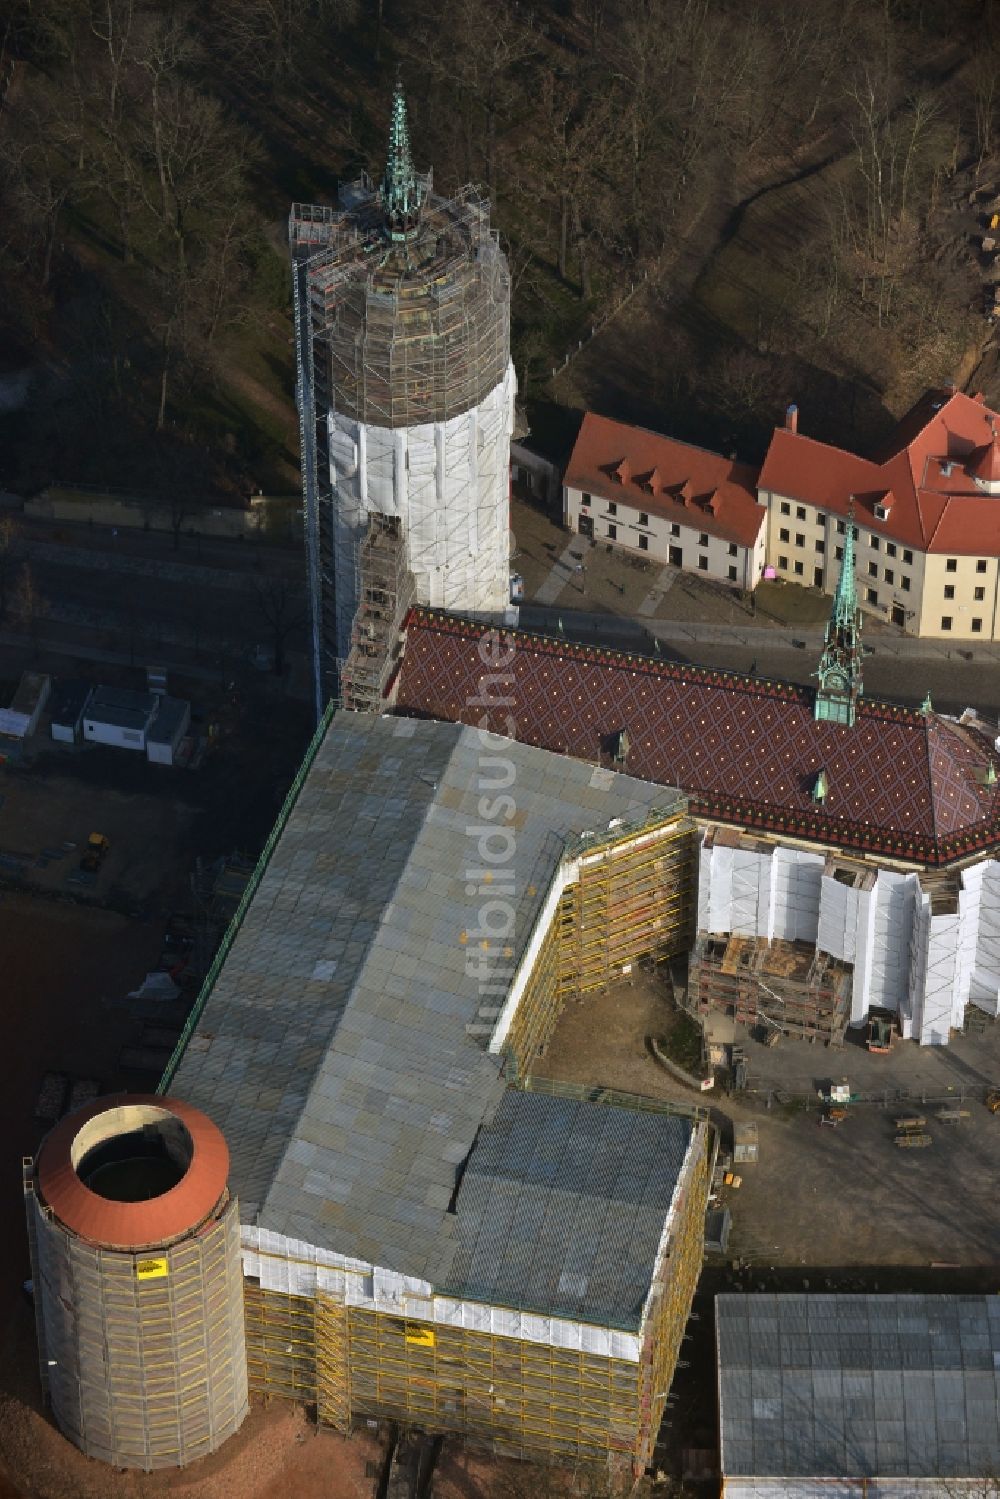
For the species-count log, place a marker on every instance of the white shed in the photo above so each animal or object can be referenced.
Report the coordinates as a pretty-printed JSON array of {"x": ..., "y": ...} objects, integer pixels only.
[
  {"x": 67, "y": 708},
  {"x": 163, "y": 737},
  {"x": 20, "y": 720},
  {"x": 119, "y": 717}
]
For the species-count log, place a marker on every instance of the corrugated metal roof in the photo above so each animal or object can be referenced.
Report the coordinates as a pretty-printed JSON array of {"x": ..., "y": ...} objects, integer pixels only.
[
  {"x": 333, "y": 1051},
  {"x": 859, "y": 1386}
]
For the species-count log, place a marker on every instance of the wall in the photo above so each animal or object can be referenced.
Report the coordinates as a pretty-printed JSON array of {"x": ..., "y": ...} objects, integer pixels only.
[
  {"x": 276, "y": 517},
  {"x": 970, "y": 575},
  {"x": 897, "y": 580},
  {"x": 925, "y": 953},
  {"x": 449, "y": 482},
  {"x": 96, "y": 732},
  {"x": 720, "y": 556}
]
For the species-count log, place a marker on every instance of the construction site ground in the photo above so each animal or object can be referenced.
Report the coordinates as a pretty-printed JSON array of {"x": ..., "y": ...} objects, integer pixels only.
[{"x": 820, "y": 1197}]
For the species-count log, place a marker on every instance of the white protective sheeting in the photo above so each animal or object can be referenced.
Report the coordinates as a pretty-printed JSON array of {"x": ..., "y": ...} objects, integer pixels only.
[
  {"x": 926, "y": 964},
  {"x": 449, "y": 484},
  {"x": 296, "y": 1268}
]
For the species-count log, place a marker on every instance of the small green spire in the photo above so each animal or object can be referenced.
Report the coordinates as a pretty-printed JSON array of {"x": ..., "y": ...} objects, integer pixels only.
[
  {"x": 400, "y": 190},
  {"x": 839, "y": 671},
  {"x": 927, "y": 706}
]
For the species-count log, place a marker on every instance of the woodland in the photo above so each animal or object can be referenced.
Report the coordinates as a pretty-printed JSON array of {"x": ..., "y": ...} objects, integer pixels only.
[{"x": 753, "y": 202}]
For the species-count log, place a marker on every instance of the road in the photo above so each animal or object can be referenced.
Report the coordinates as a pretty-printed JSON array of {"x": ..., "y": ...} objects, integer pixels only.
[{"x": 897, "y": 667}]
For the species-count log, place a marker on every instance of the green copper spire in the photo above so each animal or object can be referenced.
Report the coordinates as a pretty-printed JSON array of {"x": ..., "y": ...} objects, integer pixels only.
[
  {"x": 839, "y": 671},
  {"x": 400, "y": 189}
]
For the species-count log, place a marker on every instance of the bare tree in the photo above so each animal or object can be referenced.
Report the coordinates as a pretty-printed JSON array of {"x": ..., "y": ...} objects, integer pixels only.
[
  {"x": 9, "y": 535},
  {"x": 27, "y": 604},
  {"x": 281, "y": 608}
]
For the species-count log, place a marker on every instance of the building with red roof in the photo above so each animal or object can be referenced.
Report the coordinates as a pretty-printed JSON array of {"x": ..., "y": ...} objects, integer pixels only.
[
  {"x": 631, "y": 488},
  {"x": 927, "y": 516}
]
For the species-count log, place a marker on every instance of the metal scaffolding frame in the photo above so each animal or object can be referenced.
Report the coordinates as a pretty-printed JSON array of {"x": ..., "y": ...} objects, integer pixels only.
[{"x": 385, "y": 592}]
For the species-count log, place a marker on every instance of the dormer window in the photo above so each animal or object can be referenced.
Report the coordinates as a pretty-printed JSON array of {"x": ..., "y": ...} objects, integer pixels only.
[
  {"x": 612, "y": 508},
  {"x": 881, "y": 512}
]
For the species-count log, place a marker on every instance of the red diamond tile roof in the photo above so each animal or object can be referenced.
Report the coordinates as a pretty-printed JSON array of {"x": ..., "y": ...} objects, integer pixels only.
[
  {"x": 926, "y": 474},
  {"x": 689, "y": 485},
  {"x": 745, "y": 750}
]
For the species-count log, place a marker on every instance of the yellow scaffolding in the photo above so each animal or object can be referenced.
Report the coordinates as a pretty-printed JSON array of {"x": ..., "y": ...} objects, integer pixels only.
[
  {"x": 633, "y": 898},
  {"x": 517, "y": 1397}
]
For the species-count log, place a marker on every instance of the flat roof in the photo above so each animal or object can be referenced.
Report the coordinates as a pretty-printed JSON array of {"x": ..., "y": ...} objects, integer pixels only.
[
  {"x": 121, "y": 707},
  {"x": 169, "y": 717},
  {"x": 70, "y": 696},
  {"x": 338, "y": 1049},
  {"x": 562, "y": 1207},
  {"x": 859, "y": 1386}
]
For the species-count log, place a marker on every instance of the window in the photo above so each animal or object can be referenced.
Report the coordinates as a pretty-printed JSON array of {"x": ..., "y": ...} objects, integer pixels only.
[
  {"x": 873, "y": 569},
  {"x": 786, "y": 509},
  {"x": 907, "y": 557},
  {"x": 881, "y": 512},
  {"x": 703, "y": 539},
  {"x": 732, "y": 575},
  {"x": 841, "y": 528},
  {"x": 798, "y": 569},
  {"x": 733, "y": 550},
  {"x": 612, "y": 508},
  {"x": 977, "y": 626},
  {"x": 643, "y": 518},
  {"x": 675, "y": 529},
  {"x": 783, "y": 534},
  {"x": 979, "y": 594},
  {"x": 703, "y": 564},
  {"x": 817, "y": 577},
  {"x": 612, "y": 533},
  {"x": 838, "y": 552},
  {"x": 890, "y": 549},
  {"x": 949, "y": 590},
  {"x": 800, "y": 540},
  {"x": 644, "y": 543},
  {"x": 946, "y": 622},
  {"x": 585, "y": 498},
  {"x": 871, "y": 597},
  {"x": 820, "y": 518},
  {"x": 981, "y": 565},
  {"x": 951, "y": 565},
  {"x": 800, "y": 512},
  {"x": 783, "y": 564},
  {"x": 889, "y": 575},
  {"x": 876, "y": 542},
  {"x": 821, "y": 546},
  {"x": 904, "y": 583}
]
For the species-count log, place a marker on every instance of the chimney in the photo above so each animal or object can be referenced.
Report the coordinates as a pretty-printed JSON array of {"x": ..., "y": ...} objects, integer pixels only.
[{"x": 792, "y": 418}]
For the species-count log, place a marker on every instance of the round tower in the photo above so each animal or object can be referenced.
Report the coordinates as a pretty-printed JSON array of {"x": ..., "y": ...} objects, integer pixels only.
[
  {"x": 135, "y": 1248},
  {"x": 406, "y": 395}
]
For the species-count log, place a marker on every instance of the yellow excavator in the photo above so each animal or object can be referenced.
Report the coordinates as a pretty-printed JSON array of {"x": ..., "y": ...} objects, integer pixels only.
[{"x": 96, "y": 852}]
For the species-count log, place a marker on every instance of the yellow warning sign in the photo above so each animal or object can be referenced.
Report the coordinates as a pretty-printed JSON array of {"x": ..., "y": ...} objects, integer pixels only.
[
  {"x": 421, "y": 1337},
  {"x": 150, "y": 1269}
]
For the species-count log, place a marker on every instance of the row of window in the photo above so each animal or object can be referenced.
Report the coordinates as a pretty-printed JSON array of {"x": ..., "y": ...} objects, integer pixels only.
[{"x": 976, "y": 624}]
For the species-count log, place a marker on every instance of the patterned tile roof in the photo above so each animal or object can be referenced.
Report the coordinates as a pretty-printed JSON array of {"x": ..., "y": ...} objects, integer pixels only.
[{"x": 746, "y": 750}]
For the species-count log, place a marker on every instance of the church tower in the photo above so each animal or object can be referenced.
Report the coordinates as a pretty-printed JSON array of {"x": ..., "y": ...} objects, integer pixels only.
[
  {"x": 406, "y": 406},
  {"x": 839, "y": 673}
]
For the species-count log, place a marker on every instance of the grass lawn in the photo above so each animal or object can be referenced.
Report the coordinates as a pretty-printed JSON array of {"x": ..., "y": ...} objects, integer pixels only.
[{"x": 793, "y": 605}]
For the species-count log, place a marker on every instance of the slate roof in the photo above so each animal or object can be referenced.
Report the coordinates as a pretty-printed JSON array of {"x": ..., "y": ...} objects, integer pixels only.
[
  {"x": 859, "y": 1386},
  {"x": 926, "y": 474},
  {"x": 744, "y": 749},
  {"x": 665, "y": 477},
  {"x": 333, "y": 1051},
  {"x": 562, "y": 1207}
]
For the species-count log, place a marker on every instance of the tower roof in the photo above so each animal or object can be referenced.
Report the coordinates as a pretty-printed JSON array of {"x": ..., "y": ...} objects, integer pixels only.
[{"x": 400, "y": 190}]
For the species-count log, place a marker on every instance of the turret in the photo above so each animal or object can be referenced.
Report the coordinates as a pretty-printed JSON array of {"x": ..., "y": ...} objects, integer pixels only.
[{"x": 839, "y": 673}]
